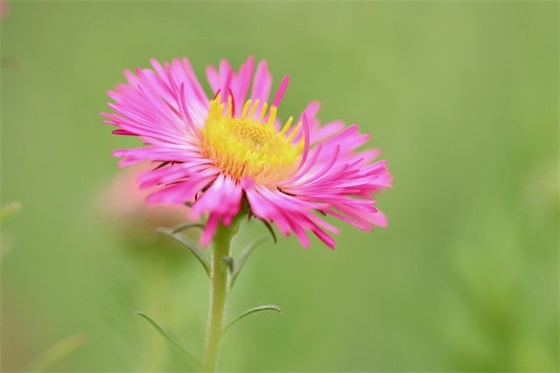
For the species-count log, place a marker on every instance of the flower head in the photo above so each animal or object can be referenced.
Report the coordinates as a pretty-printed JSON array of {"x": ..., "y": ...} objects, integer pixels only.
[{"x": 229, "y": 153}]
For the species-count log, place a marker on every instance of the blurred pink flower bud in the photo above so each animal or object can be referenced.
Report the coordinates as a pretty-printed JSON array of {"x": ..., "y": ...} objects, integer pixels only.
[
  {"x": 4, "y": 9},
  {"x": 125, "y": 206}
]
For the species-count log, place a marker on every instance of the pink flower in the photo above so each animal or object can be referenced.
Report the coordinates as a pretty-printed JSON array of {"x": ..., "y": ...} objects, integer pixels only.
[{"x": 230, "y": 153}]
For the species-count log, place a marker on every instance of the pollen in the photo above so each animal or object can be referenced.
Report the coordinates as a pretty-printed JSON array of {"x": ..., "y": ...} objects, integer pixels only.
[{"x": 250, "y": 145}]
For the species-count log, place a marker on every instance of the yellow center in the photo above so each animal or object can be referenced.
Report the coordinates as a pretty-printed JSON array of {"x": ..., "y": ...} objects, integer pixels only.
[{"x": 244, "y": 146}]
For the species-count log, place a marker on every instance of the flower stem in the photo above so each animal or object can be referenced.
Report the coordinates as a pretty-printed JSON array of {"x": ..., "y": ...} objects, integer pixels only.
[{"x": 220, "y": 281}]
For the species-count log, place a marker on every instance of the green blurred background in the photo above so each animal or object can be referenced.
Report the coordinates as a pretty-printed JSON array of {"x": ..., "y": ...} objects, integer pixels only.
[{"x": 461, "y": 97}]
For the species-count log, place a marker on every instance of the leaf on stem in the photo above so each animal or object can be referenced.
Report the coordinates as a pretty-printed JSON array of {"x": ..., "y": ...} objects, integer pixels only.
[
  {"x": 228, "y": 261},
  {"x": 266, "y": 307},
  {"x": 184, "y": 226},
  {"x": 57, "y": 352},
  {"x": 9, "y": 209},
  {"x": 244, "y": 255},
  {"x": 164, "y": 333},
  {"x": 189, "y": 244}
]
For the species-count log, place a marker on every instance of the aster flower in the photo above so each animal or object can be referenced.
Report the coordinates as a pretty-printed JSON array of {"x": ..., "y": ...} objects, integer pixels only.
[{"x": 229, "y": 153}]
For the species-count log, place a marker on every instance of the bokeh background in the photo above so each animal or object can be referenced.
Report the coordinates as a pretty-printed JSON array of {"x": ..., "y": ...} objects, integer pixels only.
[{"x": 462, "y": 97}]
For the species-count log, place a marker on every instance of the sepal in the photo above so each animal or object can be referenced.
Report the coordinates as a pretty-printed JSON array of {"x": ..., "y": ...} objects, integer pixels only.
[{"x": 270, "y": 229}]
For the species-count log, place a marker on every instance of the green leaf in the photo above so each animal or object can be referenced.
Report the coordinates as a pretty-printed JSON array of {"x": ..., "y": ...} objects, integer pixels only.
[
  {"x": 184, "y": 226},
  {"x": 270, "y": 229},
  {"x": 57, "y": 352},
  {"x": 244, "y": 255},
  {"x": 228, "y": 261},
  {"x": 167, "y": 336},
  {"x": 189, "y": 244},
  {"x": 9, "y": 209},
  {"x": 266, "y": 307}
]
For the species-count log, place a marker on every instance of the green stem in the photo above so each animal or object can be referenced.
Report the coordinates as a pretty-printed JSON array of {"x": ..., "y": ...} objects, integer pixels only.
[{"x": 220, "y": 280}]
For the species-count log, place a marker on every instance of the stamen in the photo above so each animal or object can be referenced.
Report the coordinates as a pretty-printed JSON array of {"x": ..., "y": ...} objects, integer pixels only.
[
  {"x": 263, "y": 111},
  {"x": 254, "y": 108},
  {"x": 245, "y": 108},
  {"x": 230, "y": 106},
  {"x": 295, "y": 131},
  {"x": 231, "y": 102},
  {"x": 287, "y": 126},
  {"x": 271, "y": 115}
]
